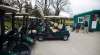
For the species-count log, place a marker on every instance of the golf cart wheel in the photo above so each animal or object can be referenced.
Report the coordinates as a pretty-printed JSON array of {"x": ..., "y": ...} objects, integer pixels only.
[
  {"x": 22, "y": 50},
  {"x": 40, "y": 38},
  {"x": 65, "y": 38}
]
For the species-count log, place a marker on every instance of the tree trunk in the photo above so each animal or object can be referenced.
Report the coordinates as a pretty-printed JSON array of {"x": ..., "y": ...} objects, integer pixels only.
[
  {"x": 57, "y": 12},
  {"x": 45, "y": 8}
]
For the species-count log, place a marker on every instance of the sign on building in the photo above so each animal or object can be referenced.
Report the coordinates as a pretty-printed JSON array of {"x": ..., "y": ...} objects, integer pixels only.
[{"x": 94, "y": 22}]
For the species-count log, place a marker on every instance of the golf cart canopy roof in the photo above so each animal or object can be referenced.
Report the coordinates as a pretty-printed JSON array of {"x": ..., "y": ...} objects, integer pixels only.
[
  {"x": 22, "y": 14},
  {"x": 8, "y": 8},
  {"x": 55, "y": 17},
  {"x": 19, "y": 14},
  {"x": 31, "y": 17}
]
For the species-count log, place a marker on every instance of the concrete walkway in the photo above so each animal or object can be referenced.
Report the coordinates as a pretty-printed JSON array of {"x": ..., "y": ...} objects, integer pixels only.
[{"x": 79, "y": 44}]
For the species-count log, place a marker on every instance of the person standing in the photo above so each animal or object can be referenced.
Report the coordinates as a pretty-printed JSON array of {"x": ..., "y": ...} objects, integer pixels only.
[
  {"x": 77, "y": 27},
  {"x": 86, "y": 26}
]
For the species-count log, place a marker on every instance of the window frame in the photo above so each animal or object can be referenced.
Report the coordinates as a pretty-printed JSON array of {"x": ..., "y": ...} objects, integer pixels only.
[{"x": 79, "y": 19}]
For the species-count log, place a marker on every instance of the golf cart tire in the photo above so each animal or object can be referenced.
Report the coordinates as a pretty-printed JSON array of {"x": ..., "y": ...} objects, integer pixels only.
[
  {"x": 65, "y": 38},
  {"x": 40, "y": 38}
]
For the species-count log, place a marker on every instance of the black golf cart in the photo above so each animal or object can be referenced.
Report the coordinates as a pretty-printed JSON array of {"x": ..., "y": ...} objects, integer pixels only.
[
  {"x": 6, "y": 38},
  {"x": 25, "y": 29},
  {"x": 47, "y": 32},
  {"x": 14, "y": 41},
  {"x": 27, "y": 40}
]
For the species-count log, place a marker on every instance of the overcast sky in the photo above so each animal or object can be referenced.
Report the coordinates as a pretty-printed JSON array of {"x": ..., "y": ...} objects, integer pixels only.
[{"x": 79, "y": 6}]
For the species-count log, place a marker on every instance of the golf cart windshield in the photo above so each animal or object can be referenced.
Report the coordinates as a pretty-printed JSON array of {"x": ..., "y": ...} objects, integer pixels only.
[
  {"x": 8, "y": 24},
  {"x": 18, "y": 22}
]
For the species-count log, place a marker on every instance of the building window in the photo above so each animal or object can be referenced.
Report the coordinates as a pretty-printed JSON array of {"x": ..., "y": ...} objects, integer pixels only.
[
  {"x": 80, "y": 19},
  {"x": 83, "y": 18}
]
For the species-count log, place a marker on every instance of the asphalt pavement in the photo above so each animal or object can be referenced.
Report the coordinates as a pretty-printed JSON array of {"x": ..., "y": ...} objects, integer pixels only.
[{"x": 78, "y": 44}]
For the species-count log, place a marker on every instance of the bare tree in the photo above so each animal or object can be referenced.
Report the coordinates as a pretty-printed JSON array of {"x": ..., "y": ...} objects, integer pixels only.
[
  {"x": 44, "y": 5},
  {"x": 28, "y": 6},
  {"x": 58, "y": 5},
  {"x": 20, "y": 4},
  {"x": 7, "y": 2},
  {"x": 36, "y": 12}
]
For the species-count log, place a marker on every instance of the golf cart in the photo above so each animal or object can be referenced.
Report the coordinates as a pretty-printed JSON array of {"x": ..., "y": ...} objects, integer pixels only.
[
  {"x": 25, "y": 29},
  {"x": 12, "y": 41},
  {"x": 49, "y": 30},
  {"x": 6, "y": 44}
]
